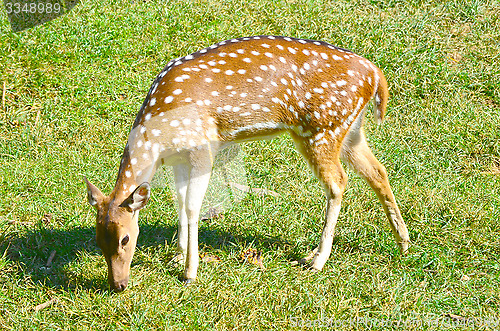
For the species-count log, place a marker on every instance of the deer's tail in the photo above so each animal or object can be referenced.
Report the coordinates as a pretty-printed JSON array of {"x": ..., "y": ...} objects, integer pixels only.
[{"x": 381, "y": 96}]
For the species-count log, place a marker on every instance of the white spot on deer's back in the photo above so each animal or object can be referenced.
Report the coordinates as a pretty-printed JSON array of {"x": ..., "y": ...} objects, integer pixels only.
[{"x": 319, "y": 136}]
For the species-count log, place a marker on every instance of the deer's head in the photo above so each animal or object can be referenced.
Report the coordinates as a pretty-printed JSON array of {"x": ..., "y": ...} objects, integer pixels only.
[{"x": 117, "y": 229}]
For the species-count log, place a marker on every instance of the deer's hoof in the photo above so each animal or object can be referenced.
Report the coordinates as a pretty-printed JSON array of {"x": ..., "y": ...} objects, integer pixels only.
[{"x": 188, "y": 281}]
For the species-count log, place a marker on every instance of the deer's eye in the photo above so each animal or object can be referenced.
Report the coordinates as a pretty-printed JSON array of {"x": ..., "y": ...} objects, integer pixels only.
[{"x": 125, "y": 240}]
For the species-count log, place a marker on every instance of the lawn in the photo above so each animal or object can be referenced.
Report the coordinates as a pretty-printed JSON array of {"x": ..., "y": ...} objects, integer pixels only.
[{"x": 71, "y": 89}]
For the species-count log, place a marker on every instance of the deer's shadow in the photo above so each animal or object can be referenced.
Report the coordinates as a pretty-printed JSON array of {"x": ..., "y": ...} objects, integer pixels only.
[{"x": 58, "y": 258}]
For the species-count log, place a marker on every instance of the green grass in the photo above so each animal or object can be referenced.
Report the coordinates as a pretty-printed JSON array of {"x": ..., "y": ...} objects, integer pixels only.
[{"x": 74, "y": 85}]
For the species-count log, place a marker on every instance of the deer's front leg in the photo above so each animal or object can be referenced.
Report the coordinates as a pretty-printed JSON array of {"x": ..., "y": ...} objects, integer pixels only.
[
  {"x": 198, "y": 183},
  {"x": 181, "y": 176}
]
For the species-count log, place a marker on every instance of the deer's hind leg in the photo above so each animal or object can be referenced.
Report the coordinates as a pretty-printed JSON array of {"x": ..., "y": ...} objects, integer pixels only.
[
  {"x": 324, "y": 162},
  {"x": 357, "y": 154}
]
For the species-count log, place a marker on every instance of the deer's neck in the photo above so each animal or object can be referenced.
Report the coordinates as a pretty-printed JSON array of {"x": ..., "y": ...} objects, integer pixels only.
[{"x": 134, "y": 170}]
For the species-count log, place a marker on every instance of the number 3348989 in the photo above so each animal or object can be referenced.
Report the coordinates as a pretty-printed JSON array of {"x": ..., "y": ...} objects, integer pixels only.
[{"x": 32, "y": 8}]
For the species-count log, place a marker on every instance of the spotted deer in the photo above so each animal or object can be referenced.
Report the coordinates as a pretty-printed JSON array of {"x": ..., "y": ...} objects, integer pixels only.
[{"x": 240, "y": 90}]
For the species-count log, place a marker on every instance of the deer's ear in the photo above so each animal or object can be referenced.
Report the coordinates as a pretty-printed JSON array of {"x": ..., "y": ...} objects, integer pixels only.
[
  {"x": 137, "y": 199},
  {"x": 94, "y": 195}
]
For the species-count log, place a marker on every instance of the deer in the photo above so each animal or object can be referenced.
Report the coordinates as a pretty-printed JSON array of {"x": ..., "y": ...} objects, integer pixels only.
[{"x": 235, "y": 91}]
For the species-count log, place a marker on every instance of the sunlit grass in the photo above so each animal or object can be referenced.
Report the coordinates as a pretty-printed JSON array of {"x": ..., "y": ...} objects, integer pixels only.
[{"x": 74, "y": 85}]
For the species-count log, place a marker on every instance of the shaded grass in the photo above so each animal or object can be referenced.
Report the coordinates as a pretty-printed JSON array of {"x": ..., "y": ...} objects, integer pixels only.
[{"x": 75, "y": 84}]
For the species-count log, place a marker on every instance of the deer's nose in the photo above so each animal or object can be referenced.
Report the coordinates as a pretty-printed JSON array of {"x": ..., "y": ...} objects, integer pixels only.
[{"x": 119, "y": 286}]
